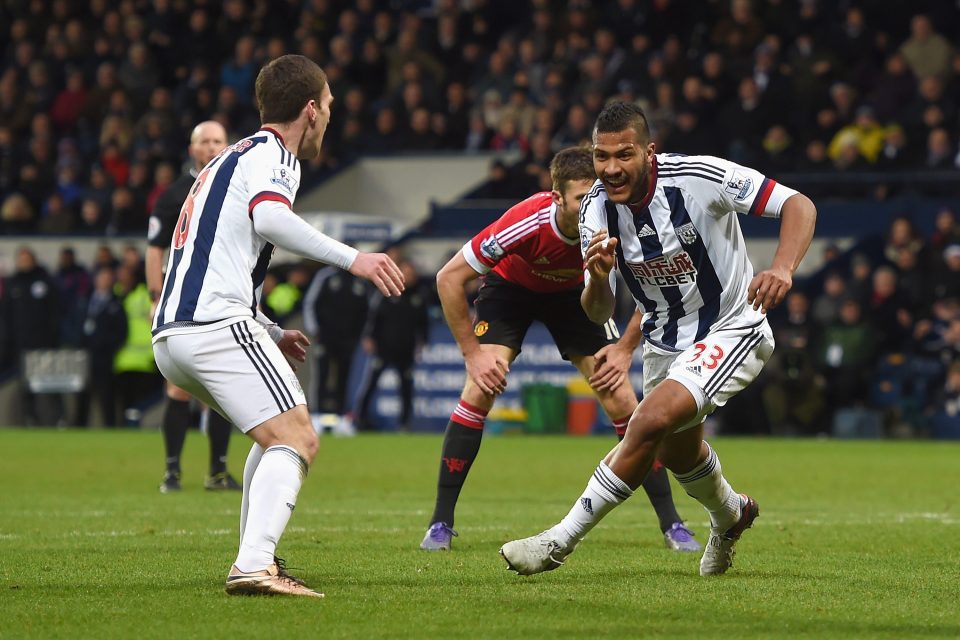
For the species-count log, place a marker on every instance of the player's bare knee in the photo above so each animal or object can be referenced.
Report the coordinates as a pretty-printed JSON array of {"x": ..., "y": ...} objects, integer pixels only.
[
  {"x": 176, "y": 393},
  {"x": 309, "y": 446},
  {"x": 649, "y": 423}
]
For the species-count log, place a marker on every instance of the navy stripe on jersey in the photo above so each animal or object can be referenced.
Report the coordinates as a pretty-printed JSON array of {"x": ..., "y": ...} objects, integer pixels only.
[
  {"x": 260, "y": 273},
  {"x": 705, "y": 167},
  {"x": 585, "y": 203},
  {"x": 652, "y": 249},
  {"x": 283, "y": 151},
  {"x": 649, "y": 305},
  {"x": 171, "y": 279},
  {"x": 708, "y": 283},
  {"x": 690, "y": 173},
  {"x": 203, "y": 243}
]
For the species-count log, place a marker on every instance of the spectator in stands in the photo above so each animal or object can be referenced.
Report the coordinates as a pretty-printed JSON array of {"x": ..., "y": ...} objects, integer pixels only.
[
  {"x": 385, "y": 138},
  {"x": 793, "y": 392},
  {"x": 946, "y": 232},
  {"x": 334, "y": 316},
  {"x": 137, "y": 378},
  {"x": 286, "y": 298},
  {"x": 73, "y": 282},
  {"x": 31, "y": 313},
  {"x": 860, "y": 285},
  {"x": 845, "y": 355},
  {"x": 396, "y": 332},
  {"x": 946, "y": 277},
  {"x": 104, "y": 333},
  {"x": 499, "y": 184},
  {"x": 895, "y": 153},
  {"x": 738, "y": 33},
  {"x": 867, "y": 134},
  {"x": 16, "y": 215},
  {"x": 826, "y": 307},
  {"x": 886, "y": 311},
  {"x": 903, "y": 234},
  {"x": 927, "y": 52},
  {"x": 940, "y": 151}
]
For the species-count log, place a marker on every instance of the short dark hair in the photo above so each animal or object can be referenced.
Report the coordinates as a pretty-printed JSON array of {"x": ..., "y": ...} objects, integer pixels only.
[
  {"x": 286, "y": 85},
  {"x": 573, "y": 163},
  {"x": 619, "y": 116}
]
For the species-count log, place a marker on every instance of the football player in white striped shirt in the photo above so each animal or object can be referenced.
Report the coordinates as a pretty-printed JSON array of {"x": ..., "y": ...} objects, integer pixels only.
[
  {"x": 211, "y": 339},
  {"x": 668, "y": 224}
]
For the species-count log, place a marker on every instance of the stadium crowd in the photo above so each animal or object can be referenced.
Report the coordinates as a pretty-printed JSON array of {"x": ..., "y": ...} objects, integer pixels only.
[
  {"x": 872, "y": 342},
  {"x": 97, "y": 100}
]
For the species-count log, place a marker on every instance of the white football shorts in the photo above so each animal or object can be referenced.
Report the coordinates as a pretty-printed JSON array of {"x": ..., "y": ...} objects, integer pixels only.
[
  {"x": 237, "y": 370},
  {"x": 715, "y": 369}
]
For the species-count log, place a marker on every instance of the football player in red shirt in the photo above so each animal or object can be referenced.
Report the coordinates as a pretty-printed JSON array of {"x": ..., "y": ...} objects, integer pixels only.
[{"x": 532, "y": 269}]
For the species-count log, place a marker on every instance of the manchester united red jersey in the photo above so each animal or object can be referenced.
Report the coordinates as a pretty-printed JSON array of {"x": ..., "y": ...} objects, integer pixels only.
[{"x": 526, "y": 247}]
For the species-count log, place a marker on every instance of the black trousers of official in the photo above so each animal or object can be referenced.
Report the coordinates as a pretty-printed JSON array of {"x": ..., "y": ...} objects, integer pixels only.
[
  {"x": 403, "y": 364},
  {"x": 333, "y": 364}
]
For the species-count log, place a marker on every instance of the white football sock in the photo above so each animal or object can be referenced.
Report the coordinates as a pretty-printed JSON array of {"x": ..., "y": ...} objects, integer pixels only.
[
  {"x": 249, "y": 468},
  {"x": 604, "y": 492},
  {"x": 706, "y": 484},
  {"x": 273, "y": 496}
]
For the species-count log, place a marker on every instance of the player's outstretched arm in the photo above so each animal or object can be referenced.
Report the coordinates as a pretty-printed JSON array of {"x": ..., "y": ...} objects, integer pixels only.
[
  {"x": 798, "y": 217},
  {"x": 488, "y": 371},
  {"x": 612, "y": 362},
  {"x": 381, "y": 270},
  {"x": 275, "y": 222},
  {"x": 597, "y": 298}
]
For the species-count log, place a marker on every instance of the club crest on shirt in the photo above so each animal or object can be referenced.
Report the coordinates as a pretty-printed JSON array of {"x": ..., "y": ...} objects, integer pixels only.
[
  {"x": 740, "y": 186},
  {"x": 687, "y": 233},
  {"x": 482, "y": 327},
  {"x": 283, "y": 177},
  {"x": 491, "y": 249}
]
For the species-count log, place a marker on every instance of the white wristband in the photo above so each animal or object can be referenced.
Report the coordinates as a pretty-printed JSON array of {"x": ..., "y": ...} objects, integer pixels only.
[{"x": 275, "y": 332}]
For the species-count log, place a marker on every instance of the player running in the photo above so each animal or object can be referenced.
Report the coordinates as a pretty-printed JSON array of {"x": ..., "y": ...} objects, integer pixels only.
[
  {"x": 206, "y": 140},
  {"x": 533, "y": 270},
  {"x": 211, "y": 339},
  {"x": 665, "y": 222}
]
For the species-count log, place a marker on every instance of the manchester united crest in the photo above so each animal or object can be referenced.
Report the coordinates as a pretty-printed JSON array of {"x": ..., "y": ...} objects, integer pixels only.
[{"x": 481, "y": 328}]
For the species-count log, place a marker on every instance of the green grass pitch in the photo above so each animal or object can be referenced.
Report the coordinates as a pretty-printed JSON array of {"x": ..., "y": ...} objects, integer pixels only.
[{"x": 855, "y": 539}]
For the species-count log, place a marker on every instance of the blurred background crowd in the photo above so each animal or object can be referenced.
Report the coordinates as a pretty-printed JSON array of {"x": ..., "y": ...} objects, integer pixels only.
[{"x": 97, "y": 100}]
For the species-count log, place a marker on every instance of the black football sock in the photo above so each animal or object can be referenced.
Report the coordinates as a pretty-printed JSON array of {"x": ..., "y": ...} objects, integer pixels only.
[
  {"x": 657, "y": 486},
  {"x": 218, "y": 430},
  {"x": 461, "y": 444},
  {"x": 176, "y": 419}
]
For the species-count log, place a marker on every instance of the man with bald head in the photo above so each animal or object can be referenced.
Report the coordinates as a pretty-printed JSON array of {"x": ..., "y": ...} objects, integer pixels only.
[{"x": 207, "y": 140}]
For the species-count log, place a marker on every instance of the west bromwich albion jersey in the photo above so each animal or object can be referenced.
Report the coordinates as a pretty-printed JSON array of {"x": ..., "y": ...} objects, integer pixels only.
[
  {"x": 526, "y": 247},
  {"x": 681, "y": 252},
  {"x": 217, "y": 261}
]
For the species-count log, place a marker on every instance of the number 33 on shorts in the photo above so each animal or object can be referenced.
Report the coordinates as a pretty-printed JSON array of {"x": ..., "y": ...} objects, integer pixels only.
[
  {"x": 725, "y": 361},
  {"x": 711, "y": 361}
]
